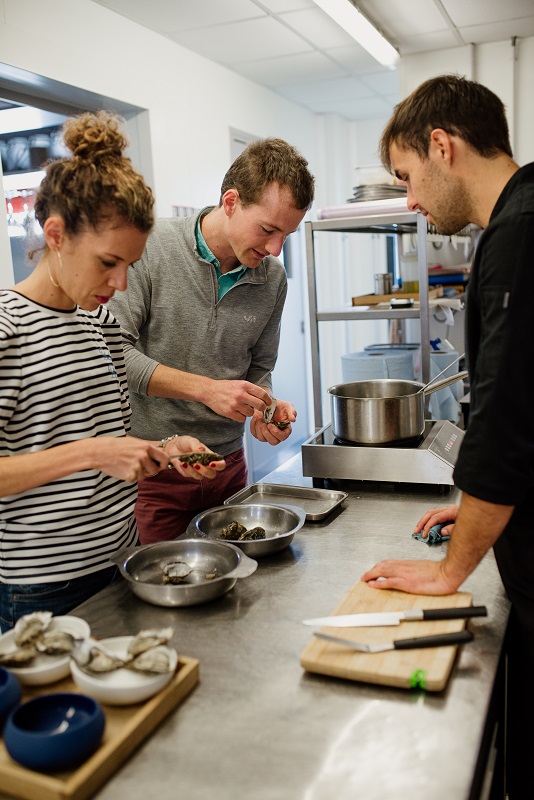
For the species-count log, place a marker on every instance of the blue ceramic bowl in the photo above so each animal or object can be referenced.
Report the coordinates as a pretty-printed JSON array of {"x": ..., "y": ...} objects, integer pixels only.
[
  {"x": 54, "y": 731},
  {"x": 10, "y": 693}
]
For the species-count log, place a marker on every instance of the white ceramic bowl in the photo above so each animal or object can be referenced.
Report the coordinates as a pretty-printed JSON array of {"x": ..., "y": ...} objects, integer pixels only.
[
  {"x": 121, "y": 687},
  {"x": 46, "y": 669}
]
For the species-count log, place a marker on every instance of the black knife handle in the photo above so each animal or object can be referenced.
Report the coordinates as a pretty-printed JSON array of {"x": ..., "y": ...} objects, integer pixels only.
[
  {"x": 440, "y": 640},
  {"x": 455, "y": 613}
]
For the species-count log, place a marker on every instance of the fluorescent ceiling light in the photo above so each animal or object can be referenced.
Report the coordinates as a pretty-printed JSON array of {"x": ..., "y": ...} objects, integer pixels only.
[{"x": 351, "y": 20}]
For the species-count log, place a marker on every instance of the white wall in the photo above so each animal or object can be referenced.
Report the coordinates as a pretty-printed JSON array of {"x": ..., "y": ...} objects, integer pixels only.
[
  {"x": 191, "y": 101},
  {"x": 503, "y": 68}
]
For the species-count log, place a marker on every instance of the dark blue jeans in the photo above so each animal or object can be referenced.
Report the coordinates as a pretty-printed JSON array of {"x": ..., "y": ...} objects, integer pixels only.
[{"x": 59, "y": 598}]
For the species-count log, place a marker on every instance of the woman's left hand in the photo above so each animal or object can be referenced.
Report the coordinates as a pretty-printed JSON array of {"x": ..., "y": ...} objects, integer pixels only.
[{"x": 188, "y": 444}]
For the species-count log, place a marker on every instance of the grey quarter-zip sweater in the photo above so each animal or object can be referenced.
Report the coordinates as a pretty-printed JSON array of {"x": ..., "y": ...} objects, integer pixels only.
[{"x": 170, "y": 315}]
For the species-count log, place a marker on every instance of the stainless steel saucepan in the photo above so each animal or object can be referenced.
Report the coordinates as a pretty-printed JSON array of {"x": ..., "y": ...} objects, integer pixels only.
[{"x": 375, "y": 412}]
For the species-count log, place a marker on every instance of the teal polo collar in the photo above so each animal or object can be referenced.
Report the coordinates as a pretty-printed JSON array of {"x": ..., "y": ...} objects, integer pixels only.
[{"x": 229, "y": 279}]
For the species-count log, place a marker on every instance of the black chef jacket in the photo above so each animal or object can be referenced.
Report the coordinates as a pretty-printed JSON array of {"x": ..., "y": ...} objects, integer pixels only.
[{"x": 496, "y": 460}]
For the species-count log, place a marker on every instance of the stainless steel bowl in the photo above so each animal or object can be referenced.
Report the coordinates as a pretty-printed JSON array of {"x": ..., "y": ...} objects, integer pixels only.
[
  {"x": 280, "y": 523},
  {"x": 143, "y": 568}
]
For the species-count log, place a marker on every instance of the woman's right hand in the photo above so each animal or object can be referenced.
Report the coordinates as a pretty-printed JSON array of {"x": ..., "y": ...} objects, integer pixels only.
[
  {"x": 127, "y": 457},
  {"x": 437, "y": 516}
]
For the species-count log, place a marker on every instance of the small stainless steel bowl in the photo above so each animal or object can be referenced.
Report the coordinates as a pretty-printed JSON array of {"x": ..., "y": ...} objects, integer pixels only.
[
  {"x": 280, "y": 523},
  {"x": 143, "y": 568}
]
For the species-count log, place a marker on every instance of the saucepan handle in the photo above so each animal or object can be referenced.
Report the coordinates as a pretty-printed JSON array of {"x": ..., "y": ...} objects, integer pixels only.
[{"x": 435, "y": 387}]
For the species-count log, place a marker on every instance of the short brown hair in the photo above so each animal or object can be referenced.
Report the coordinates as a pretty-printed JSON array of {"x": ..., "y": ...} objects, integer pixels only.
[
  {"x": 268, "y": 161},
  {"x": 460, "y": 107},
  {"x": 97, "y": 182}
]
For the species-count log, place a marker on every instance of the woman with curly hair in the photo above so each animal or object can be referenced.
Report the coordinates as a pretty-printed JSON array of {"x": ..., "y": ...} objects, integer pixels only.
[{"x": 68, "y": 468}]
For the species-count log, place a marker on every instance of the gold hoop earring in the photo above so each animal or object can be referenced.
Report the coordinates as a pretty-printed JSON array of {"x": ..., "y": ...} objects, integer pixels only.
[{"x": 52, "y": 281}]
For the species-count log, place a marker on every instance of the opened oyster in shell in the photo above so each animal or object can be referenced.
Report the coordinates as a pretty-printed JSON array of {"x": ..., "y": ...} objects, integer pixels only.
[
  {"x": 147, "y": 652},
  {"x": 33, "y": 635},
  {"x": 176, "y": 572}
]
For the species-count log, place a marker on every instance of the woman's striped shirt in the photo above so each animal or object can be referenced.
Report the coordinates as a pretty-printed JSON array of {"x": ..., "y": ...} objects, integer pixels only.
[{"x": 62, "y": 378}]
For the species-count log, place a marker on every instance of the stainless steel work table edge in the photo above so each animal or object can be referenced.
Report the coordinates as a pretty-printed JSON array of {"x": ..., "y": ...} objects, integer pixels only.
[{"x": 259, "y": 726}]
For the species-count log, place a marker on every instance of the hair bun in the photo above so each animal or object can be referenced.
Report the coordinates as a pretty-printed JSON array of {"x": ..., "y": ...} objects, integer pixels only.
[{"x": 92, "y": 137}]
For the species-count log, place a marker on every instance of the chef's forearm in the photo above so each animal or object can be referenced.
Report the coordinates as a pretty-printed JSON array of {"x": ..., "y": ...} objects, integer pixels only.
[{"x": 478, "y": 526}]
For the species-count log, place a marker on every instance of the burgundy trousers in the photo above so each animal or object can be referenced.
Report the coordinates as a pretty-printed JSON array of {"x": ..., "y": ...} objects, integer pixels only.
[{"x": 167, "y": 502}]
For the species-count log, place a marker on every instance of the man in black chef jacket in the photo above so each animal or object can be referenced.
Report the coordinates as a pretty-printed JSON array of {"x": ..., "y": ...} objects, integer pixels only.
[{"x": 449, "y": 143}]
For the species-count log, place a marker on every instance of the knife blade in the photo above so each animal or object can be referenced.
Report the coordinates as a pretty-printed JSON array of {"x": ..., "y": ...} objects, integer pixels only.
[
  {"x": 440, "y": 640},
  {"x": 396, "y": 617}
]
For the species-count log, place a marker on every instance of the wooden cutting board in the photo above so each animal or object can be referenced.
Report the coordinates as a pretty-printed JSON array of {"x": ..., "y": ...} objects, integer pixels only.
[{"x": 428, "y": 668}]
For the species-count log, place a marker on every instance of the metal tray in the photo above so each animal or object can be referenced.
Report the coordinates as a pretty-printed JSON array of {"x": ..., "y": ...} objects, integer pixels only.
[{"x": 317, "y": 503}]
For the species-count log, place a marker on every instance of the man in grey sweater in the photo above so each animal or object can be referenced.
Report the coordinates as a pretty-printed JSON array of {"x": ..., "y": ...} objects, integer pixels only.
[{"x": 201, "y": 326}]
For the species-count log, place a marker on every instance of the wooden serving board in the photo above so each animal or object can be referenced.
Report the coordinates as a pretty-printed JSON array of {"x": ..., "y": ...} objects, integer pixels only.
[
  {"x": 126, "y": 727},
  {"x": 426, "y": 667}
]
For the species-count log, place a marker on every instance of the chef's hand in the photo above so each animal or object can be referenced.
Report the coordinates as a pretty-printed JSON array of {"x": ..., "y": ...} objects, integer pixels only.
[
  {"x": 437, "y": 516},
  {"x": 126, "y": 457},
  {"x": 188, "y": 444},
  {"x": 237, "y": 400},
  {"x": 266, "y": 432},
  {"x": 415, "y": 577}
]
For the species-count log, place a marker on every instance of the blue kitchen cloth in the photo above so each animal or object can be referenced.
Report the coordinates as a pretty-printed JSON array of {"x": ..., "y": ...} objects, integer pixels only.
[{"x": 434, "y": 535}]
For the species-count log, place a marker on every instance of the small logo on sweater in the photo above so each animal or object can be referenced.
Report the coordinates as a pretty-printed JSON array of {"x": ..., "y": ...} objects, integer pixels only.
[{"x": 249, "y": 318}]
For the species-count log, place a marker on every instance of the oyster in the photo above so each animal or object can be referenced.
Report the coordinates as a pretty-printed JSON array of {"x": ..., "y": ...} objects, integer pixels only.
[
  {"x": 198, "y": 458},
  {"x": 285, "y": 423},
  {"x": 210, "y": 576},
  {"x": 176, "y": 572},
  {"x": 269, "y": 412},
  {"x": 28, "y": 627},
  {"x": 55, "y": 642},
  {"x": 158, "y": 659},
  {"x": 233, "y": 530},
  {"x": 93, "y": 657},
  {"x": 145, "y": 640},
  {"x": 20, "y": 657},
  {"x": 254, "y": 533}
]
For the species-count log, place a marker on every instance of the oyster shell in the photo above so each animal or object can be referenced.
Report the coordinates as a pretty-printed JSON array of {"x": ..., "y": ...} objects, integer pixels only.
[
  {"x": 20, "y": 657},
  {"x": 158, "y": 659},
  {"x": 254, "y": 533},
  {"x": 204, "y": 458},
  {"x": 176, "y": 572},
  {"x": 233, "y": 530},
  {"x": 145, "y": 640},
  {"x": 93, "y": 657},
  {"x": 285, "y": 423},
  {"x": 28, "y": 627},
  {"x": 269, "y": 412},
  {"x": 55, "y": 642}
]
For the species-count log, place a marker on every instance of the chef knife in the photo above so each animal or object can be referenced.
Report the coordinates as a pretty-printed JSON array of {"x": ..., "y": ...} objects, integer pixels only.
[
  {"x": 440, "y": 640},
  {"x": 396, "y": 617}
]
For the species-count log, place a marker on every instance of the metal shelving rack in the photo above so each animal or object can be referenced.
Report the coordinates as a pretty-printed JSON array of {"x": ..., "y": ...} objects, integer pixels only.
[{"x": 402, "y": 222}]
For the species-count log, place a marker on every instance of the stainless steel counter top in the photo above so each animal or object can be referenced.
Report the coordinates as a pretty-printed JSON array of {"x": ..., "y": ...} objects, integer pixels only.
[{"x": 258, "y": 726}]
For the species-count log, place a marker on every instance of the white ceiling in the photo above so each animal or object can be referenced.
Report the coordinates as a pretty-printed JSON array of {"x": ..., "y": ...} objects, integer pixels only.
[{"x": 294, "y": 48}]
